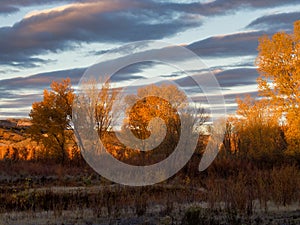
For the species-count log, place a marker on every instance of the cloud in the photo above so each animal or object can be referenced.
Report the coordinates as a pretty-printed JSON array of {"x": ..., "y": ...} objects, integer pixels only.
[
  {"x": 226, "y": 78},
  {"x": 237, "y": 77},
  {"x": 121, "y": 21},
  {"x": 231, "y": 98},
  {"x": 105, "y": 21},
  {"x": 275, "y": 22},
  {"x": 6, "y": 9},
  {"x": 219, "y": 7},
  {"x": 19, "y": 93},
  {"x": 42, "y": 80},
  {"x": 12, "y": 6},
  {"x": 21, "y": 101},
  {"x": 238, "y": 44},
  {"x": 244, "y": 43},
  {"x": 14, "y": 103}
]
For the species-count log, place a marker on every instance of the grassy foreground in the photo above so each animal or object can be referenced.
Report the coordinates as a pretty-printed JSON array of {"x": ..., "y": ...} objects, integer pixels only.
[{"x": 37, "y": 193}]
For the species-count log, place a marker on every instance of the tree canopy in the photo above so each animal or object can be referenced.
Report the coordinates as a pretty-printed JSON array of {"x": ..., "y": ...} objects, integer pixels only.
[
  {"x": 51, "y": 119},
  {"x": 157, "y": 111},
  {"x": 278, "y": 63}
]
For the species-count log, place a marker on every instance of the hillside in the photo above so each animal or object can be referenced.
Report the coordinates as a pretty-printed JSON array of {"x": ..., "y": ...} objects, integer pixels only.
[{"x": 13, "y": 135}]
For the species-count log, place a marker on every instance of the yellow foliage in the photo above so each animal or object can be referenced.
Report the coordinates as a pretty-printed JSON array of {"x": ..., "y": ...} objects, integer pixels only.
[
  {"x": 51, "y": 119},
  {"x": 278, "y": 63}
]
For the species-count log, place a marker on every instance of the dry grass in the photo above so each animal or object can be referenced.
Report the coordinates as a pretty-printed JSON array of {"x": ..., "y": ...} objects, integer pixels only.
[
  {"x": 239, "y": 193},
  {"x": 238, "y": 197}
]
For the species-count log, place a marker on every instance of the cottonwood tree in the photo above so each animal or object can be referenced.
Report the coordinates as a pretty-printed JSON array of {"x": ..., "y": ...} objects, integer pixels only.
[
  {"x": 97, "y": 103},
  {"x": 95, "y": 110},
  {"x": 51, "y": 119},
  {"x": 278, "y": 63},
  {"x": 154, "y": 102},
  {"x": 257, "y": 132},
  {"x": 169, "y": 104}
]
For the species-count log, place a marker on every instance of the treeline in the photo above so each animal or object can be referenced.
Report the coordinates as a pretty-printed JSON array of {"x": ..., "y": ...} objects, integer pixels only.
[
  {"x": 264, "y": 131},
  {"x": 155, "y": 111}
]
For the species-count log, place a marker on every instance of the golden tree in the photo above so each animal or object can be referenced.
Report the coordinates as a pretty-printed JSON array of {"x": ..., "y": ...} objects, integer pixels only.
[
  {"x": 170, "y": 105},
  {"x": 98, "y": 104},
  {"x": 257, "y": 131},
  {"x": 95, "y": 110},
  {"x": 278, "y": 63},
  {"x": 51, "y": 119},
  {"x": 154, "y": 102}
]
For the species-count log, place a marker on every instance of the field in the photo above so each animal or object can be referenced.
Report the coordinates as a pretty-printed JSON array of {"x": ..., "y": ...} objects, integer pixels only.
[
  {"x": 230, "y": 191},
  {"x": 33, "y": 193}
]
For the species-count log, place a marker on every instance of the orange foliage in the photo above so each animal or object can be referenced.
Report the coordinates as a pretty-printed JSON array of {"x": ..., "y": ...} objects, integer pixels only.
[{"x": 278, "y": 63}]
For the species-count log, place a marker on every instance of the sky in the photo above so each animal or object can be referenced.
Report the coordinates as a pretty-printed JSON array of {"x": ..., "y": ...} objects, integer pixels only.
[{"x": 46, "y": 40}]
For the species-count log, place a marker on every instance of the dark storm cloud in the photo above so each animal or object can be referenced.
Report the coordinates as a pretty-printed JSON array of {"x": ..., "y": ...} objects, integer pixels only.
[{"x": 275, "y": 22}]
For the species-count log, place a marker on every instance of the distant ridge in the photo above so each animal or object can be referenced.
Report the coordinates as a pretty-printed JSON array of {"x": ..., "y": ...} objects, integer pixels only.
[{"x": 15, "y": 123}]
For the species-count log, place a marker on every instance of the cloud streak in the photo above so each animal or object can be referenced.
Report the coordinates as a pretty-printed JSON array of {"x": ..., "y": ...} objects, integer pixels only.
[
  {"x": 100, "y": 21},
  {"x": 106, "y": 21},
  {"x": 12, "y": 6},
  {"x": 275, "y": 22},
  {"x": 238, "y": 44},
  {"x": 221, "y": 7},
  {"x": 227, "y": 78},
  {"x": 244, "y": 43}
]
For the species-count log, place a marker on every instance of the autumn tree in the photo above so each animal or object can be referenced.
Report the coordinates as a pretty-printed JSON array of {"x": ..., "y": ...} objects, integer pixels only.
[
  {"x": 230, "y": 142},
  {"x": 51, "y": 119},
  {"x": 95, "y": 110},
  {"x": 104, "y": 113},
  {"x": 167, "y": 103},
  {"x": 97, "y": 102},
  {"x": 97, "y": 105},
  {"x": 278, "y": 63},
  {"x": 256, "y": 133}
]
